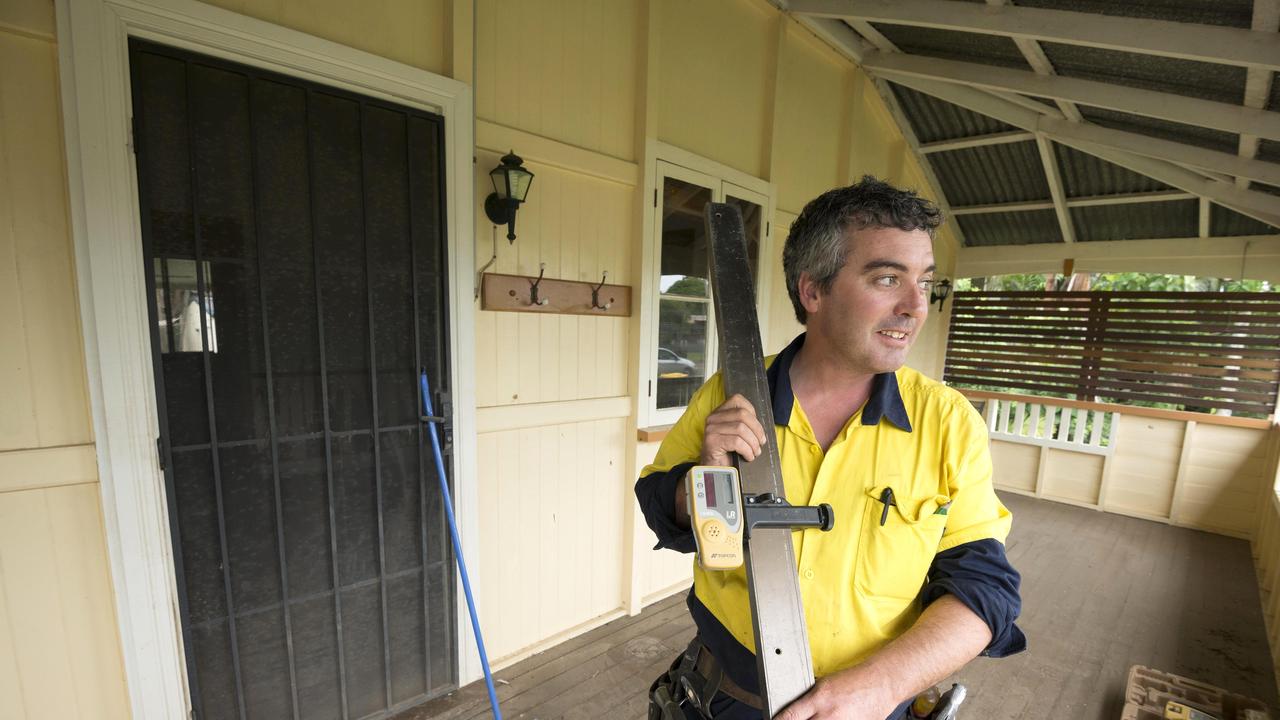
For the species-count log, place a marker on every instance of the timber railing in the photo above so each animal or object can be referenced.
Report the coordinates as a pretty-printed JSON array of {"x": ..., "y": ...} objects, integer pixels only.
[
  {"x": 1184, "y": 468},
  {"x": 1207, "y": 351}
]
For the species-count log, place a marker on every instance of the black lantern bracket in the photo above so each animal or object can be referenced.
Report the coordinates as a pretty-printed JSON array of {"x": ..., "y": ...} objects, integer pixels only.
[
  {"x": 941, "y": 290},
  {"x": 511, "y": 182}
]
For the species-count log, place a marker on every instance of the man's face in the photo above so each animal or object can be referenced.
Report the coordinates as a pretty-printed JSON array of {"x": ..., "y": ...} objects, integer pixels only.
[{"x": 878, "y": 301}]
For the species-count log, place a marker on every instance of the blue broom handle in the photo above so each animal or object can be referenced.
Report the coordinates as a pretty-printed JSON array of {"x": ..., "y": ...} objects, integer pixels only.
[{"x": 457, "y": 543}]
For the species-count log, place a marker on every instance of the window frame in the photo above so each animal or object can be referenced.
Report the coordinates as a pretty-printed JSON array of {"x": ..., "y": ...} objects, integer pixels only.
[{"x": 665, "y": 161}]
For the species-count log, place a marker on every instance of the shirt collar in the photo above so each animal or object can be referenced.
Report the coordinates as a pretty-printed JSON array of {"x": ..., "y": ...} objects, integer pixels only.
[{"x": 885, "y": 400}]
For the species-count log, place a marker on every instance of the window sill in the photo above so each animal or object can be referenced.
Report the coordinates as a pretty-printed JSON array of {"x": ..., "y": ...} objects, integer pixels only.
[{"x": 653, "y": 434}]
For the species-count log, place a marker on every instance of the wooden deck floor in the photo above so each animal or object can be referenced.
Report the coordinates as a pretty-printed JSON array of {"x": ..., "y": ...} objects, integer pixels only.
[{"x": 1100, "y": 593}]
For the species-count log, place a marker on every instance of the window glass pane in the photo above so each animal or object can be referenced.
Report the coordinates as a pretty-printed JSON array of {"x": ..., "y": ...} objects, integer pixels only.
[
  {"x": 682, "y": 350},
  {"x": 684, "y": 239},
  {"x": 753, "y": 225},
  {"x": 178, "y": 307}
]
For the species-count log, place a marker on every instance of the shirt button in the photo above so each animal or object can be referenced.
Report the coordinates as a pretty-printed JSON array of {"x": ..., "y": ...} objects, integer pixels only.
[
  {"x": 808, "y": 574},
  {"x": 814, "y": 449}
]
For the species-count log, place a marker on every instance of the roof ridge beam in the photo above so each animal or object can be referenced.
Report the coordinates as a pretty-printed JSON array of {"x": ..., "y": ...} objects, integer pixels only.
[
  {"x": 1188, "y": 41},
  {"x": 973, "y": 141},
  {"x": 1150, "y": 103}
]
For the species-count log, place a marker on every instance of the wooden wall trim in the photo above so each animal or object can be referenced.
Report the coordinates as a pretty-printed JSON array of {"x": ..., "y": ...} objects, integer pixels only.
[
  {"x": 47, "y": 467},
  {"x": 539, "y": 149},
  {"x": 1182, "y": 415},
  {"x": 516, "y": 417}
]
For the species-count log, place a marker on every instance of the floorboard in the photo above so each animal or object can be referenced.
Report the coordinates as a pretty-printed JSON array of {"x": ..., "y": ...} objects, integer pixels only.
[{"x": 1101, "y": 592}]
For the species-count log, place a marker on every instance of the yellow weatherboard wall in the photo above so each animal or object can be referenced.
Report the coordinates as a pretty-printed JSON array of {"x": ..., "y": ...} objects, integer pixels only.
[
  {"x": 59, "y": 648},
  {"x": 577, "y": 89}
]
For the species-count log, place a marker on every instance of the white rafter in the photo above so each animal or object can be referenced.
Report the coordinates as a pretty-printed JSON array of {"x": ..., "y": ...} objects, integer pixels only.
[
  {"x": 1118, "y": 147},
  {"x": 1039, "y": 62},
  {"x": 1149, "y": 103},
  {"x": 1002, "y": 138},
  {"x": 1094, "y": 201},
  {"x": 1051, "y": 173},
  {"x": 1190, "y": 41},
  {"x": 1257, "y": 83}
]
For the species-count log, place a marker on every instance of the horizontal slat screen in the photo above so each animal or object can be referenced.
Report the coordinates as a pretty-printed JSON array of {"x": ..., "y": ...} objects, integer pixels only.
[{"x": 1200, "y": 351}]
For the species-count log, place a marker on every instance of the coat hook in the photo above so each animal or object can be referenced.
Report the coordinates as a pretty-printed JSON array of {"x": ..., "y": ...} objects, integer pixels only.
[
  {"x": 533, "y": 287},
  {"x": 595, "y": 294}
]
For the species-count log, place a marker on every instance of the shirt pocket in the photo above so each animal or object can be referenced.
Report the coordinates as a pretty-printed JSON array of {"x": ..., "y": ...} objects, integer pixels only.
[{"x": 897, "y": 543}]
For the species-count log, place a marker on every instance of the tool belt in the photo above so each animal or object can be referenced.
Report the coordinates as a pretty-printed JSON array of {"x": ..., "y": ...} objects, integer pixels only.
[{"x": 693, "y": 680}]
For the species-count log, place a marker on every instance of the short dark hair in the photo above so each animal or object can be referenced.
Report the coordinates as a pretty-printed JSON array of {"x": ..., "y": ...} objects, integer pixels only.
[{"x": 817, "y": 243}]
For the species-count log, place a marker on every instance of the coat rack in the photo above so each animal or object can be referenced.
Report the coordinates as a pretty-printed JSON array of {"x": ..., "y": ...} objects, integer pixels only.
[{"x": 523, "y": 293}]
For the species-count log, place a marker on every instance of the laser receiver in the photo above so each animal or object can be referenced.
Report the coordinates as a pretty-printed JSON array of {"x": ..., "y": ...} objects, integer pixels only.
[{"x": 714, "y": 497}]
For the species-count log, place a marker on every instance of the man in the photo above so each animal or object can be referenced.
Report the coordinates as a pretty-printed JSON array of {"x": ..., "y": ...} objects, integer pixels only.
[{"x": 913, "y": 581}]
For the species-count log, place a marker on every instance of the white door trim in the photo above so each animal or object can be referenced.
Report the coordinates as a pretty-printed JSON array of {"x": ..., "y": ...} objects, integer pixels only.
[{"x": 93, "y": 59}]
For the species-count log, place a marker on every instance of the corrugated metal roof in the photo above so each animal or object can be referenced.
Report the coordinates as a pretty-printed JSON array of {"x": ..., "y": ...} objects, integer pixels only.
[
  {"x": 955, "y": 45},
  {"x": 1224, "y": 83},
  {"x": 1084, "y": 175},
  {"x": 1177, "y": 132},
  {"x": 1229, "y": 223},
  {"x": 1010, "y": 173},
  {"x": 1136, "y": 221},
  {"x": 934, "y": 120},
  {"x": 1233, "y": 13},
  {"x": 1013, "y": 228},
  {"x": 991, "y": 174}
]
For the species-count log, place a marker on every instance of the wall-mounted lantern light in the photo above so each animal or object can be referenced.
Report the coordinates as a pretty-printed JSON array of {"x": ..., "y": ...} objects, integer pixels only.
[
  {"x": 511, "y": 185},
  {"x": 941, "y": 290}
]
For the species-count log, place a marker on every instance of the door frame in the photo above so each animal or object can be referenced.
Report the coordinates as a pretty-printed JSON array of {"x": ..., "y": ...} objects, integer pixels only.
[{"x": 103, "y": 193}]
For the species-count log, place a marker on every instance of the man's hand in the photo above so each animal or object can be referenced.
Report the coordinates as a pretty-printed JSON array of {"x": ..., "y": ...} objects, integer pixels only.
[
  {"x": 732, "y": 427},
  {"x": 945, "y": 637},
  {"x": 855, "y": 694}
]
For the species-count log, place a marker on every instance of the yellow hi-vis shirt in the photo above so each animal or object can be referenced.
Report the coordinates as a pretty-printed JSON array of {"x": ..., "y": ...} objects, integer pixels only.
[{"x": 860, "y": 581}]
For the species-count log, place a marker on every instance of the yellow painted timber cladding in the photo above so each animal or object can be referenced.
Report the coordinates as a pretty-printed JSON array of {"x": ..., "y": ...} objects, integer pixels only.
[
  {"x": 59, "y": 648},
  {"x": 59, "y": 654},
  {"x": 414, "y": 32},
  {"x": 44, "y": 402}
]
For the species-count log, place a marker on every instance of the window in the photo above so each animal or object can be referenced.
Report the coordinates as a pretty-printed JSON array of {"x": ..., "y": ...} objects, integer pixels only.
[{"x": 682, "y": 340}]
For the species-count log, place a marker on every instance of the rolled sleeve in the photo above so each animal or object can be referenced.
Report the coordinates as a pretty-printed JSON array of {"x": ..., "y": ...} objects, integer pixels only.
[
  {"x": 680, "y": 449},
  {"x": 657, "y": 495},
  {"x": 979, "y": 575}
]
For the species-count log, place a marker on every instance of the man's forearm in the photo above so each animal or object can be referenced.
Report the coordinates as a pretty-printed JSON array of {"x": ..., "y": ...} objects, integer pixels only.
[{"x": 945, "y": 637}]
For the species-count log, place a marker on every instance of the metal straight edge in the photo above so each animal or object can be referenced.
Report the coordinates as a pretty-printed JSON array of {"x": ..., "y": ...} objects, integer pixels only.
[{"x": 782, "y": 642}]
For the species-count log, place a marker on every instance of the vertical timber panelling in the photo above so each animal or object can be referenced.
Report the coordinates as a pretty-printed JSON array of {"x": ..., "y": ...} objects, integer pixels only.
[
  {"x": 414, "y": 32},
  {"x": 812, "y": 89},
  {"x": 59, "y": 647},
  {"x": 579, "y": 227},
  {"x": 714, "y": 73},
  {"x": 1145, "y": 466},
  {"x": 1225, "y": 467},
  {"x": 561, "y": 70},
  {"x": 1265, "y": 540},
  {"x": 661, "y": 569},
  {"x": 56, "y": 607},
  {"x": 553, "y": 492},
  {"x": 552, "y": 497},
  {"x": 45, "y": 401},
  {"x": 781, "y": 317}
]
